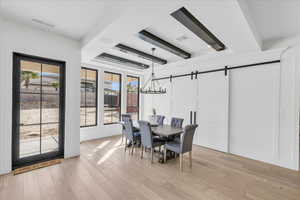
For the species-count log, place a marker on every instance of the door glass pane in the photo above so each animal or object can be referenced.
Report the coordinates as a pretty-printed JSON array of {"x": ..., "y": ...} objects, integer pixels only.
[
  {"x": 50, "y": 79},
  {"x": 50, "y": 137},
  {"x": 29, "y": 140},
  {"x": 30, "y": 78},
  {"x": 30, "y": 109},
  {"x": 50, "y": 108}
]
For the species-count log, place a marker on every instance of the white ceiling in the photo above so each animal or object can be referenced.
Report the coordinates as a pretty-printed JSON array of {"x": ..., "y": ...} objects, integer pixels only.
[
  {"x": 243, "y": 25},
  {"x": 73, "y": 18},
  {"x": 276, "y": 19},
  {"x": 223, "y": 18}
]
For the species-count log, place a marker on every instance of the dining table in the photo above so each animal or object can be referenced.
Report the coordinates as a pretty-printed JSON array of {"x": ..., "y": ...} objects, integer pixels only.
[{"x": 164, "y": 131}]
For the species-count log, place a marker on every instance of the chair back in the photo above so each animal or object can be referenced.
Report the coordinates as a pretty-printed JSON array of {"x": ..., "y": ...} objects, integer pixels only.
[
  {"x": 187, "y": 138},
  {"x": 128, "y": 128},
  {"x": 176, "y": 122},
  {"x": 160, "y": 119},
  {"x": 146, "y": 134},
  {"x": 123, "y": 116}
]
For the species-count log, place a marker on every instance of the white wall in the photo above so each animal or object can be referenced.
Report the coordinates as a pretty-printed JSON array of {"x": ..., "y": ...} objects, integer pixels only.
[
  {"x": 101, "y": 130},
  {"x": 263, "y": 105},
  {"x": 19, "y": 38}
]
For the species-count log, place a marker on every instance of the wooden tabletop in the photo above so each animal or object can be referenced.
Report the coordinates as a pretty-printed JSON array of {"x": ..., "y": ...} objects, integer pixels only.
[{"x": 166, "y": 130}]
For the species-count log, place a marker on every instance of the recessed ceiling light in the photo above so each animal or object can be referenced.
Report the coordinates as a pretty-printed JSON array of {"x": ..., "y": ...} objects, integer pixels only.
[
  {"x": 182, "y": 38},
  {"x": 43, "y": 23}
]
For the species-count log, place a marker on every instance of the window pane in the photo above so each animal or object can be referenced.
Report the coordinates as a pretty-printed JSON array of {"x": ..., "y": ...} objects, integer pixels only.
[
  {"x": 82, "y": 116},
  {"x": 133, "y": 96},
  {"x": 88, "y": 105},
  {"x": 112, "y": 97},
  {"x": 50, "y": 79},
  {"x": 50, "y": 139},
  {"x": 30, "y": 108},
  {"x": 30, "y": 77},
  {"x": 29, "y": 140},
  {"x": 90, "y": 116},
  {"x": 50, "y": 105}
]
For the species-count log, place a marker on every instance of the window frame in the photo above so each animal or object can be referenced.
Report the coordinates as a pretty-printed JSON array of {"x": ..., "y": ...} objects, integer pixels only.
[
  {"x": 138, "y": 94},
  {"x": 96, "y": 120},
  {"x": 120, "y": 92}
]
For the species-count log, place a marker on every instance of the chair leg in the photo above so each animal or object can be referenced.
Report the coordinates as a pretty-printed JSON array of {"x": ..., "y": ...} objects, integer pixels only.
[
  {"x": 142, "y": 151},
  {"x": 165, "y": 155},
  {"x": 159, "y": 149},
  {"x": 181, "y": 161},
  {"x": 132, "y": 148},
  {"x": 190, "y": 158},
  {"x": 152, "y": 150},
  {"x": 125, "y": 144}
]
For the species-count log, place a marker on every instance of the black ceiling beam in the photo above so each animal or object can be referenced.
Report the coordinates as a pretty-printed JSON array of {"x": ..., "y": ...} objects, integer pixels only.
[
  {"x": 153, "y": 39},
  {"x": 183, "y": 16},
  {"x": 122, "y": 61},
  {"x": 141, "y": 54}
]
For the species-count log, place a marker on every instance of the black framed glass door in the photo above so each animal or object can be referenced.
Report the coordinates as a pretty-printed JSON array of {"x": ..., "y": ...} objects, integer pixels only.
[{"x": 38, "y": 109}]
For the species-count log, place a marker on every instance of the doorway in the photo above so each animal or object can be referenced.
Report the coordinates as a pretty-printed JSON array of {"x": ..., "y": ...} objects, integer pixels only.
[{"x": 38, "y": 109}]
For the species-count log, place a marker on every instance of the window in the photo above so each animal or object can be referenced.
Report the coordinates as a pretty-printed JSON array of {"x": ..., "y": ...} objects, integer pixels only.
[
  {"x": 88, "y": 105},
  {"x": 133, "y": 87},
  {"x": 112, "y": 97}
]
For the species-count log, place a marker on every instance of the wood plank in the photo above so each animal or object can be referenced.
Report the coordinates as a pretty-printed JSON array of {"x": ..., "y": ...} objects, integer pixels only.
[{"x": 104, "y": 171}]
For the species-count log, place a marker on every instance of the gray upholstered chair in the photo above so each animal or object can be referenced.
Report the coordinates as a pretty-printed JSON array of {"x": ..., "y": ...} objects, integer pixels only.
[
  {"x": 184, "y": 146},
  {"x": 123, "y": 116},
  {"x": 160, "y": 119},
  {"x": 147, "y": 139},
  {"x": 176, "y": 122},
  {"x": 132, "y": 136}
]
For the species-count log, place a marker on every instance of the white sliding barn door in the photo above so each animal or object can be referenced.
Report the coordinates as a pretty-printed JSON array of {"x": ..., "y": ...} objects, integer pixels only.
[
  {"x": 254, "y": 112},
  {"x": 212, "y": 112},
  {"x": 183, "y": 98}
]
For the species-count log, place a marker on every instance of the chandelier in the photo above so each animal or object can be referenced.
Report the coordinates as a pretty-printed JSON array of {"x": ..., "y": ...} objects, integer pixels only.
[{"x": 152, "y": 86}]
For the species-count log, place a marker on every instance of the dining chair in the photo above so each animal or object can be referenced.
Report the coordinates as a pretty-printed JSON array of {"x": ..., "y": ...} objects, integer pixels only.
[
  {"x": 176, "y": 122},
  {"x": 183, "y": 146},
  {"x": 123, "y": 116},
  {"x": 147, "y": 139},
  {"x": 160, "y": 119},
  {"x": 133, "y": 136}
]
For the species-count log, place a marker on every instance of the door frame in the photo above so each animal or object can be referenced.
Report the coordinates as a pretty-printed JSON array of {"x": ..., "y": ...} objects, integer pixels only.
[{"x": 16, "y": 161}]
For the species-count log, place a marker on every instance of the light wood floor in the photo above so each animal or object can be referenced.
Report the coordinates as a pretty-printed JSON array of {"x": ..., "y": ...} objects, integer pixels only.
[{"x": 103, "y": 171}]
